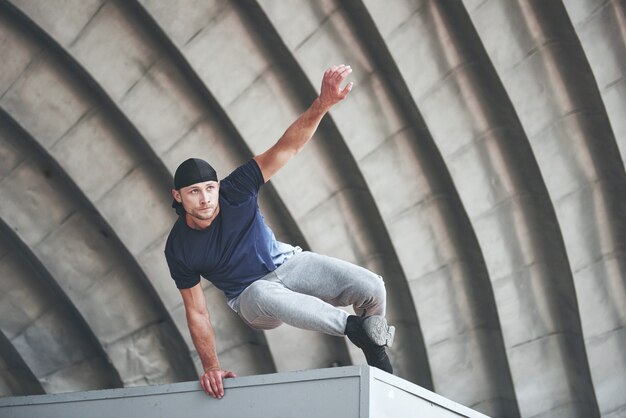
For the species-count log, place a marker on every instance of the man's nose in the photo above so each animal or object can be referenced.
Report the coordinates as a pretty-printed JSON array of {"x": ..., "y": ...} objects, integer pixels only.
[{"x": 205, "y": 197}]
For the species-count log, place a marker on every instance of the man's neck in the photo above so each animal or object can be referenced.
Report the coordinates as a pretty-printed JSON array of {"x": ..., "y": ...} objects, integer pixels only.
[{"x": 200, "y": 224}]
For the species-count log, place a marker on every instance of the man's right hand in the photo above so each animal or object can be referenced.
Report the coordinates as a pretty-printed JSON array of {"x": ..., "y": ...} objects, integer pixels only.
[{"x": 211, "y": 381}]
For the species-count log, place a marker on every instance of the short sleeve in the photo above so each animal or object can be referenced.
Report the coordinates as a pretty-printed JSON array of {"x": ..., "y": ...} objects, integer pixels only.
[
  {"x": 183, "y": 277},
  {"x": 246, "y": 180}
]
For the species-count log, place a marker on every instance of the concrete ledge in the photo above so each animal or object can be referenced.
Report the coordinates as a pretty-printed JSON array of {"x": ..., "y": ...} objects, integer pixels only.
[{"x": 354, "y": 391}]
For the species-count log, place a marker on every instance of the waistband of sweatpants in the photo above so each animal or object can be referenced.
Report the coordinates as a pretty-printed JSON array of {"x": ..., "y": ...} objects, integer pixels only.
[{"x": 233, "y": 303}]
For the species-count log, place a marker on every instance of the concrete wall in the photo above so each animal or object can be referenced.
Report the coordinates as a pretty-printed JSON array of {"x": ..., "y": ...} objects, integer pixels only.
[
  {"x": 359, "y": 392},
  {"x": 477, "y": 166}
]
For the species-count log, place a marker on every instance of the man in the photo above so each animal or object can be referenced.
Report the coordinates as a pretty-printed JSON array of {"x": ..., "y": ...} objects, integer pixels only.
[{"x": 221, "y": 236}]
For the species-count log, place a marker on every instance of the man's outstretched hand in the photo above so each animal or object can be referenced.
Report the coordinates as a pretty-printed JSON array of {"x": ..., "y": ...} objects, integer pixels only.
[
  {"x": 331, "y": 92},
  {"x": 211, "y": 381}
]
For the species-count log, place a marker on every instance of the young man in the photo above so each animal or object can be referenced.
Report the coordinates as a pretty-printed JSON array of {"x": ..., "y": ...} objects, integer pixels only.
[{"x": 221, "y": 236}]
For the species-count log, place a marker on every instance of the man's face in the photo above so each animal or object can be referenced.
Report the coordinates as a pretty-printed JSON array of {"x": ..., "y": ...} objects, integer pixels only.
[{"x": 200, "y": 200}]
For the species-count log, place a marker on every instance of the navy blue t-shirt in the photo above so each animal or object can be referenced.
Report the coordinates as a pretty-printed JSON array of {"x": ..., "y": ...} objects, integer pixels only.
[{"x": 237, "y": 249}]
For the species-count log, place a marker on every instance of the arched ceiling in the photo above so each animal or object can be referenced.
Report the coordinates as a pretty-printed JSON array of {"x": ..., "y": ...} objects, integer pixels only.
[{"x": 477, "y": 166}]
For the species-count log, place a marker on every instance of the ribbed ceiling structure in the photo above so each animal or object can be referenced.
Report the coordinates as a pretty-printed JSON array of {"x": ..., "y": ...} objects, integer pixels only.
[{"x": 477, "y": 166}]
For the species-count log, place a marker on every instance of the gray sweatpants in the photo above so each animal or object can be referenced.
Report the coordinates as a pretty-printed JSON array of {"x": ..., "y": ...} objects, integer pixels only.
[{"x": 305, "y": 291}]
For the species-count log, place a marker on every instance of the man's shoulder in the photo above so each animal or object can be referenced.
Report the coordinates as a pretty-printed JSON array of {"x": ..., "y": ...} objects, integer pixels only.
[
  {"x": 246, "y": 179},
  {"x": 250, "y": 167}
]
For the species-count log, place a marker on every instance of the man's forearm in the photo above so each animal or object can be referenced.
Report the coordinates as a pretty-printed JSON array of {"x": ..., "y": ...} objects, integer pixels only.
[
  {"x": 203, "y": 339},
  {"x": 303, "y": 128}
]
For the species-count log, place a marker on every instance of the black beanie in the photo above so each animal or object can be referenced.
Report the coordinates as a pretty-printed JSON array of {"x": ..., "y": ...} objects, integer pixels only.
[{"x": 191, "y": 171}]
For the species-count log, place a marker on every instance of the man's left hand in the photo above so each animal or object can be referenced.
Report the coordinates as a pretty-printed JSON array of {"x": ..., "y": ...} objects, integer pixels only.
[
  {"x": 331, "y": 92},
  {"x": 212, "y": 381}
]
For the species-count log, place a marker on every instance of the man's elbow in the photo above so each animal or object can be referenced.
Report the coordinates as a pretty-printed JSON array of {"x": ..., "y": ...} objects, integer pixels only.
[{"x": 196, "y": 315}]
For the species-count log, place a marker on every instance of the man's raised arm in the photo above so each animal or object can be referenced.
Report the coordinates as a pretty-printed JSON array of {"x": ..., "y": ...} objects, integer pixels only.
[
  {"x": 299, "y": 133},
  {"x": 204, "y": 340}
]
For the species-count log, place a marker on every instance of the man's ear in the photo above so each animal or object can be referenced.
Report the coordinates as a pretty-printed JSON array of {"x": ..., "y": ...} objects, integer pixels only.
[{"x": 176, "y": 196}]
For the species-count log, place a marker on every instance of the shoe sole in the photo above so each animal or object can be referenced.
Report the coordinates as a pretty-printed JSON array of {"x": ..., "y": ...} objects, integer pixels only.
[{"x": 379, "y": 331}]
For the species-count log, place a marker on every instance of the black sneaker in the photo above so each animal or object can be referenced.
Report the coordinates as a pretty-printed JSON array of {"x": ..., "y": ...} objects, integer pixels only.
[
  {"x": 369, "y": 330},
  {"x": 371, "y": 334},
  {"x": 376, "y": 356},
  {"x": 379, "y": 332}
]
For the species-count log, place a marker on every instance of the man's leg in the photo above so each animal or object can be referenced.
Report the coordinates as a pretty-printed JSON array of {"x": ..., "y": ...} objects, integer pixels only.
[
  {"x": 335, "y": 281},
  {"x": 267, "y": 303},
  {"x": 341, "y": 284}
]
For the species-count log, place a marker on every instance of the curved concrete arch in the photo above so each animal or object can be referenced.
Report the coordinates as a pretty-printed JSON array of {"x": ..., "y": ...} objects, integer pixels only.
[
  {"x": 241, "y": 347},
  {"x": 159, "y": 87},
  {"x": 336, "y": 188},
  {"x": 77, "y": 118},
  {"x": 418, "y": 202},
  {"x": 52, "y": 339},
  {"x": 115, "y": 108},
  {"x": 52, "y": 218},
  {"x": 601, "y": 29},
  {"x": 138, "y": 186},
  {"x": 550, "y": 82},
  {"x": 498, "y": 180},
  {"x": 16, "y": 379}
]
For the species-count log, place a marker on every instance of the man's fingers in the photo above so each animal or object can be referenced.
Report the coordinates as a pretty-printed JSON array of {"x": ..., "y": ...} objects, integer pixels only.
[
  {"x": 205, "y": 381},
  {"x": 331, "y": 91},
  {"x": 219, "y": 387},
  {"x": 346, "y": 89},
  {"x": 338, "y": 71},
  {"x": 337, "y": 77},
  {"x": 215, "y": 392},
  {"x": 212, "y": 382},
  {"x": 345, "y": 71}
]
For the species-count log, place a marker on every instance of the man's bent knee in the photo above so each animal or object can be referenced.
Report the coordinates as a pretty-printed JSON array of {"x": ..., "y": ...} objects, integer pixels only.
[
  {"x": 375, "y": 297},
  {"x": 375, "y": 288},
  {"x": 380, "y": 292}
]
